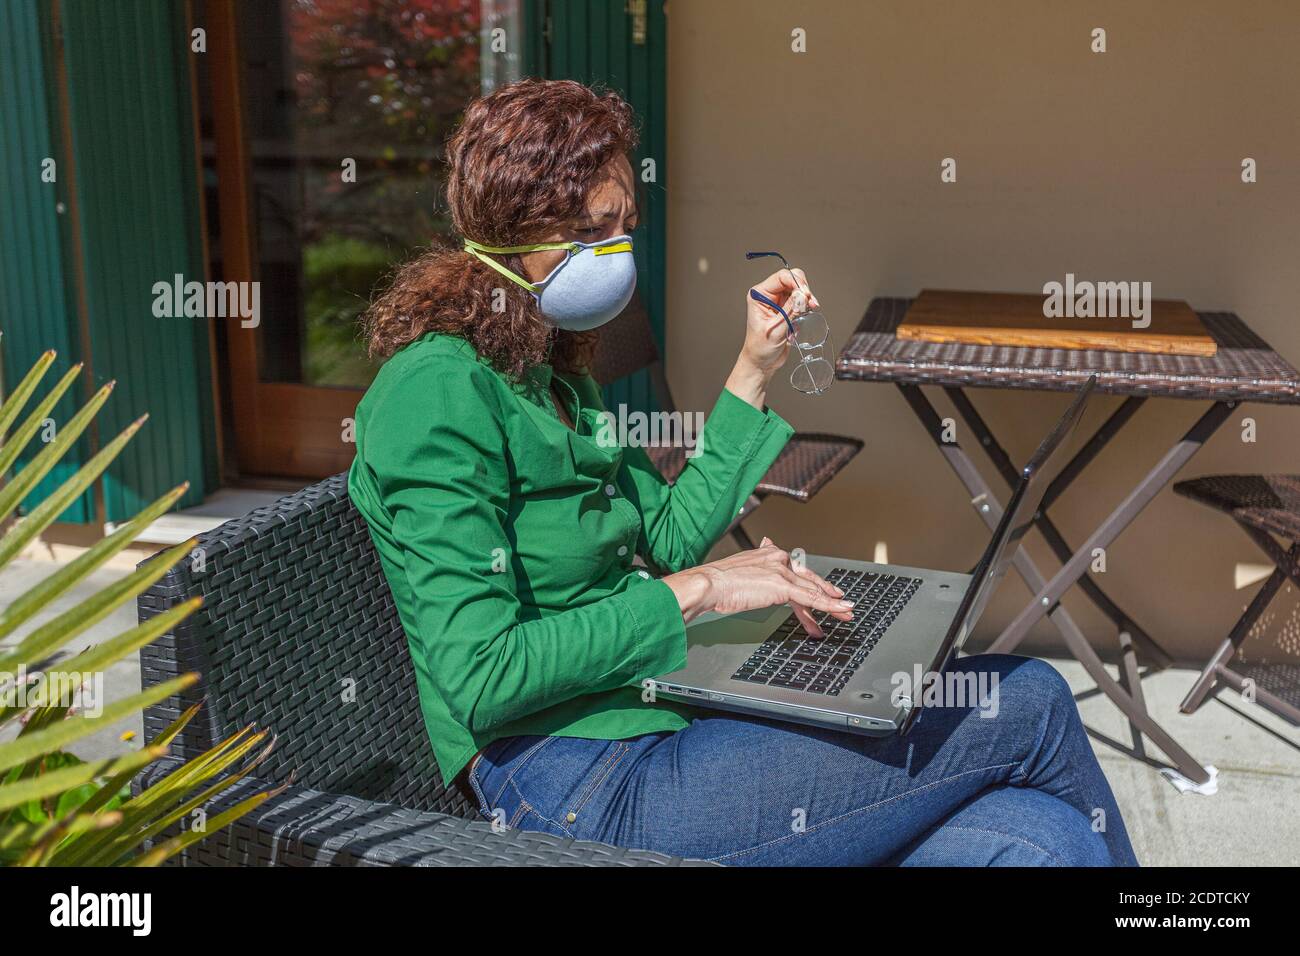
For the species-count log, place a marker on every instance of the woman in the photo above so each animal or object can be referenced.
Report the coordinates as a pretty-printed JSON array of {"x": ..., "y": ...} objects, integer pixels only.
[{"x": 510, "y": 536}]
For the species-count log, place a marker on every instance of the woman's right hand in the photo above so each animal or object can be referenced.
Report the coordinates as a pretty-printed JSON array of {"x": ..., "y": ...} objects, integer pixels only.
[{"x": 757, "y": 578}]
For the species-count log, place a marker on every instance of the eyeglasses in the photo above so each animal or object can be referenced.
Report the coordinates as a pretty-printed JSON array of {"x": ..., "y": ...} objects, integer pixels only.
[{"x": 809, "y": 332}]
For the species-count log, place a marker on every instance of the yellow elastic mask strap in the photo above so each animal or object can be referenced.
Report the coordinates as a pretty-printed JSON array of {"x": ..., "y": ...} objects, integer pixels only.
[
  {"x": 616, "y": 247},
  {"x": 477, "y": 249}
]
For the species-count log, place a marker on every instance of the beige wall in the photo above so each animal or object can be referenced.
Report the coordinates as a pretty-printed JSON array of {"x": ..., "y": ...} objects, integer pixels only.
[{"x": 1123, "y": 165}]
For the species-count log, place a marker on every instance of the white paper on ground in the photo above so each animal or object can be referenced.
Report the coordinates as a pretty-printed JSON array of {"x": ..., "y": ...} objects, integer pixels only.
[{"x": 1186, "y": 785}]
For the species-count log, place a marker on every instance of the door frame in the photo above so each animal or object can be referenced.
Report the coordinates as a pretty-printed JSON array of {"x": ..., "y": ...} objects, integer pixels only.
[
  {"x": 280, "y": 428},
  {"x": 296, "y": 430}
]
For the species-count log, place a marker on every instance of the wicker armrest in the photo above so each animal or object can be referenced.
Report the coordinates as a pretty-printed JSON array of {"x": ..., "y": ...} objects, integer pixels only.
[{"x": 305, "y": 827}]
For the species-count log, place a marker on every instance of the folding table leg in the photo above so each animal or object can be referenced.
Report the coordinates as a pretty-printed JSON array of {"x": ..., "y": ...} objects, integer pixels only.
[
  {"x": 1136, "y": 712},
  {"x": 1055, "y": 540},
  {"x": 1131, "y": 680},
  {"x": 1119, "y": 519},
  {"x": 991, "y": 512}
]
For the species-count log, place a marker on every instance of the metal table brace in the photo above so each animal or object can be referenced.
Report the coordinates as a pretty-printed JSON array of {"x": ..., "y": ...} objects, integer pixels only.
[{"x": 1126, "y": 693}]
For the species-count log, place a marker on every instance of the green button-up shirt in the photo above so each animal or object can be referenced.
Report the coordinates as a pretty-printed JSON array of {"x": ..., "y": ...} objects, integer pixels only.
[{"x": 508, "y": 541}]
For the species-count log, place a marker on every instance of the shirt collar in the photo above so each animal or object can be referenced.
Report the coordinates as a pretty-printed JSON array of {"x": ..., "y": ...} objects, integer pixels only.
[{"x": 534, "y": 384}]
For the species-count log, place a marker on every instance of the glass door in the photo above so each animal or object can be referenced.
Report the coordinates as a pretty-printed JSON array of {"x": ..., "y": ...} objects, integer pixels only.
[{"x": 324, "y": 126}]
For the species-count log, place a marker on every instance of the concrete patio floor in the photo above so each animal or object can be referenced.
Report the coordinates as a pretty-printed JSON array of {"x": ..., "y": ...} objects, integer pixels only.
[{"x": 1253, "y": 820}]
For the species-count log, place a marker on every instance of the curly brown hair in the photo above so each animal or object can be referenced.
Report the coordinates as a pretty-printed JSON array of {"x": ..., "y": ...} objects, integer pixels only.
[{"x": 520, "y": 164}]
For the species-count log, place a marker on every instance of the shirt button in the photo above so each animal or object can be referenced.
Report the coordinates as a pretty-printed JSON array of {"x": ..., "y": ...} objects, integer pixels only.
[
  {"x": 610, "y": 490},
  {"x": 622, "y": 550},
  {"x": 644, "y": 574}
]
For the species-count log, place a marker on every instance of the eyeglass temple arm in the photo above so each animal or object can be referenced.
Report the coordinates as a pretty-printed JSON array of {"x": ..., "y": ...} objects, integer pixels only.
[
  {"x": 759, "y": 297},
  {"x": 777, "y": 255},
  {"x": 760, "y": 255}
]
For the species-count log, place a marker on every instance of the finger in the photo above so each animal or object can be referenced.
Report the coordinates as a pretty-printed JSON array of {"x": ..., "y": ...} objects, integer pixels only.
[
  {"x": 777, "y": 328},
  {"x": 778, "y": 285},
  {"x": 777, "y": 332},
  {"x": 811, "y": 597},
  {"x": 803, "y": 282},
  {"x": 806, "y": 619},
  {"x": 797, "y": 304},
  {"x": 815, "y": 597},
  {"x": 772, "y": 553},
  {"x": 806, "y": 572},
  {"x": 809, "y": 574}
]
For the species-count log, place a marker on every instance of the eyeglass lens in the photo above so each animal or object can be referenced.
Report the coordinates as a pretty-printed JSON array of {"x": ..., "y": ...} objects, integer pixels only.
[{"x": 813, "y": 376}]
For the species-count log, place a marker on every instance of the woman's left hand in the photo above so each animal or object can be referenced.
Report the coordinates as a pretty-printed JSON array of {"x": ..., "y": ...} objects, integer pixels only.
[{"x": 767, "y": 341}]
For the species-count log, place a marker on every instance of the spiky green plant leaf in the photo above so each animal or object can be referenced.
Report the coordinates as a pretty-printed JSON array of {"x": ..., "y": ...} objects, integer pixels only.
[
  {"x": 17, "y": 399},
  {"x": 72, "y": 573},
  {"x": 56, "y": 809},
  {"x": 37, "y": 645},
  {"x": 44, "y": 460},
  {"x": 29, "y": 746},
  {"x": 14, "y": 444},
  {"x": 43, "y": 515}
]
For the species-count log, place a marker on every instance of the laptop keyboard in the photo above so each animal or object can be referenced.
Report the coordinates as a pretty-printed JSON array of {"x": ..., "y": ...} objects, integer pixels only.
[{"x": 823, "y": 665}]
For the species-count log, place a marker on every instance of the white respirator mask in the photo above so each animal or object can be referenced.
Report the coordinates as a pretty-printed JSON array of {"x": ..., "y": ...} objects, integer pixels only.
[{"x": 590, "y": 286}]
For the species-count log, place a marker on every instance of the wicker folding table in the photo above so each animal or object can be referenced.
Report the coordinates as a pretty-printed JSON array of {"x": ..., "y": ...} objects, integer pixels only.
[{"x": 1245, "y": 368}]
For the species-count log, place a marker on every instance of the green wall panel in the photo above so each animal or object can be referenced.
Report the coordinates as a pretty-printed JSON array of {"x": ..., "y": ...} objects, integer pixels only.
[
  {"x": 592, "y": 41},
  {"x": 133, "y": 142},
  {"x": 37, "y": 294}
]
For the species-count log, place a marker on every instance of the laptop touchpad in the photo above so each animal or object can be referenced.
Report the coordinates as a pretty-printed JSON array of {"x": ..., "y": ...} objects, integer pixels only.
[{"x": 759, "y": 615}]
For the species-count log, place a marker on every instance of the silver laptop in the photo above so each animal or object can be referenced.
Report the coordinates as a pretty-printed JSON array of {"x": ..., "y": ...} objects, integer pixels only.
[{"x": 859, "y": 675}]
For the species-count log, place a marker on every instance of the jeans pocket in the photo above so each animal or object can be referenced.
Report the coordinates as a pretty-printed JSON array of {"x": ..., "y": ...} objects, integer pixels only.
[
  {"x": 599, "y": 776},
  {"x": 492, "y": 774},
  {"x": 550, "y": 784},
  {"x": 581, "y": 809}
]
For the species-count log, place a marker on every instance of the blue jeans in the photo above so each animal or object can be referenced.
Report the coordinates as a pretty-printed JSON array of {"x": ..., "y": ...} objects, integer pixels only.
[{"x": 1021, "y": 788}]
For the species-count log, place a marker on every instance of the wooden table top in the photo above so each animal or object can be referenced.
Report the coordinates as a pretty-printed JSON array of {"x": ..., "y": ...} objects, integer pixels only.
[{"x": 1244, "y": 367}]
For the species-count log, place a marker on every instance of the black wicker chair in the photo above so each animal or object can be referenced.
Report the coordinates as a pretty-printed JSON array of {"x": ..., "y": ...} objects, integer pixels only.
[
  {"x": 1266, "y": 507},
  {"x": 298, "y": 634}
]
